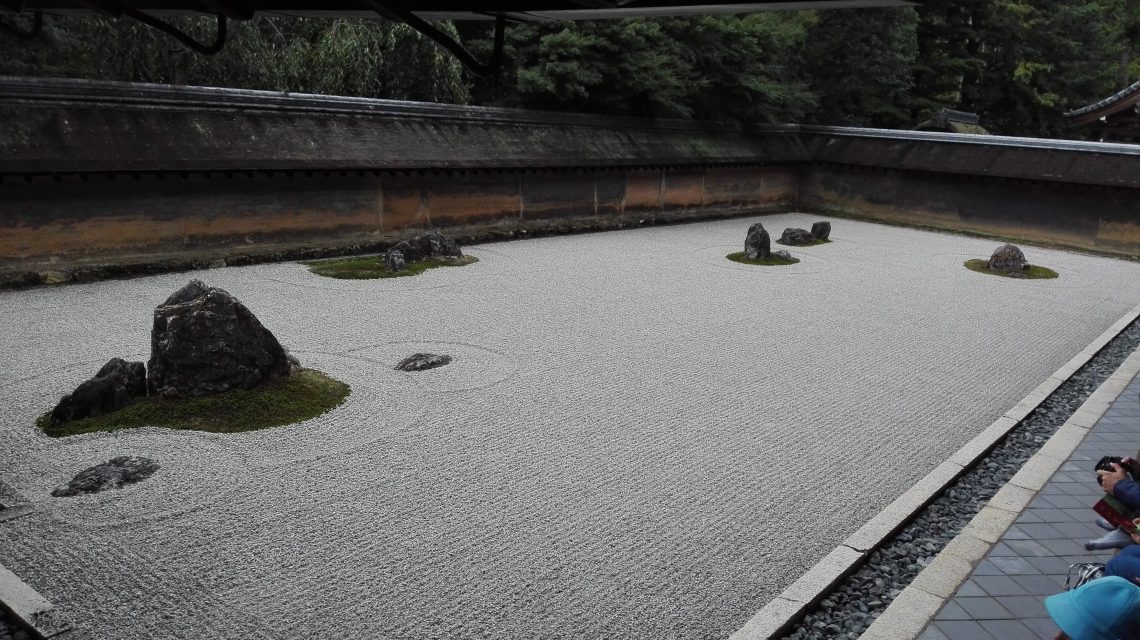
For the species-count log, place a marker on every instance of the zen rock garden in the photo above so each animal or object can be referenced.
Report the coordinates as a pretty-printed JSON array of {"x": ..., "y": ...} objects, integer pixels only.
[
  {"x": 204, "y": 344},
  {"x": 405, "y": 258},
  {"x": 758, "y": 244},
  {"x": 1009, "y": 261}
]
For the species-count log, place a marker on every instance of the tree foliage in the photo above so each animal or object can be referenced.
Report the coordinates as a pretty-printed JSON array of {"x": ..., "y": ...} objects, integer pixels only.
[
  {"x": 347, "y": 57},
  {"x": 1018, "y": 63}
]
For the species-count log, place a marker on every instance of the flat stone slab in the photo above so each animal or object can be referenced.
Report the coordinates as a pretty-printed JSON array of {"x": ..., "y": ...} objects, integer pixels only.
[{"x": 609, "y": 455}]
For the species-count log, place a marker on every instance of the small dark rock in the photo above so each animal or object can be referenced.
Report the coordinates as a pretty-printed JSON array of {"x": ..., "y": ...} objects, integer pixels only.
[
  {"x": 423, "y": 361},
  {"x": 432, "y": 244},
  {"x": 1009, "y": 259},
  {"x": 117, "y": 384},
  {"x": 109, "y": 475},
  {"x": 782, "y": 254},
  {"x": 394, "y": 260},
  {"x": 796, "y": 237},
  {"x": 205, "y": 341},
  {"x": 758, "y": 244},
  {"x": 821, "y": 230}
]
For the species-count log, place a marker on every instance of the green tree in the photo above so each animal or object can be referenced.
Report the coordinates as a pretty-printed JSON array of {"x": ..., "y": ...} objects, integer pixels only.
[
  {"x": 346, "y": 57},
  {"x": 859, "y": 64},
  {"x": 708, "y": 67}
]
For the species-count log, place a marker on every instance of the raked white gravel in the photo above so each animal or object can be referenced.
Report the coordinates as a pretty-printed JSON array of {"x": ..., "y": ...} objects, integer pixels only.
[{"x": 637, "y": 438}]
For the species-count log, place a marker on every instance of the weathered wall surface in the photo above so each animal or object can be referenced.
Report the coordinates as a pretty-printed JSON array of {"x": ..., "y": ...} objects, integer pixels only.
[
  {"x": 74, "y": 222},
  {"x": 1071, "y": 194},
  {"x": 100, "y": 178}
]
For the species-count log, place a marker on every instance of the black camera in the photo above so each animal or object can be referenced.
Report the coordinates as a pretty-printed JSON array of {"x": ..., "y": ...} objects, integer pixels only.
[{"x": 1105, "y": 464}]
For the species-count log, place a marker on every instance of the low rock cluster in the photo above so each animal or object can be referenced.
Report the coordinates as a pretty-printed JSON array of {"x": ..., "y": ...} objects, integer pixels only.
[
  {"x": 204, "y": 341},
  {"x": 432, "y": 244},
  {"x": 800, "y": 237},
  {"x": 758, "y": 244}
]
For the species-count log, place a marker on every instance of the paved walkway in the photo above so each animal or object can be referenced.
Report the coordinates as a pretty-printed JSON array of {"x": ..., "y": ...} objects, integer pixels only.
[{"x": 1003, "y": 598}]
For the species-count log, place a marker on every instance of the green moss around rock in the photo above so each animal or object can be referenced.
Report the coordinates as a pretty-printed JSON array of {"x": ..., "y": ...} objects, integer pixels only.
[
  {"x": 373, "y": 267},
  {"x": 772, "y": 260},
  {"x": 301, "y": 396},
  {"x": 1034, "y": 272}
]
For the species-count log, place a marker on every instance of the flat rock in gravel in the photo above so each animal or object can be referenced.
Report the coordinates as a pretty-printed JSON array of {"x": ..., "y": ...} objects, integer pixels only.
[
  {"x": 1008, "y": 258},
  {"x": 109, "y": 475},
  {"x": 821, "y": 230},
  {"x": 204, "y": 341},
  {"x": 757, "y": 244},
  {"x": 796, "y": 237},
  {"x": 423, "y": 361},
  {"x": 117, "y": 384}
]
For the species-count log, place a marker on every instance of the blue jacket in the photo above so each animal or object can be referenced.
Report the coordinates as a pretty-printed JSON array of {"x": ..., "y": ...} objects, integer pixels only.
[{"x": 1128, "y": 492}]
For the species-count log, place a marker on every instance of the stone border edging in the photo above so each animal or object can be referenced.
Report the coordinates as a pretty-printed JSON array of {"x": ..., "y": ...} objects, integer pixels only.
[
  {"x": 34, "y": 611},
  {"x": 926, "y": 594}
]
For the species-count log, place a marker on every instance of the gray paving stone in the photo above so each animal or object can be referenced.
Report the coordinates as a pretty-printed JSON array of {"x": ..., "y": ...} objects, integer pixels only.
[
  {"x": 932, "y": 632},
  {"x": 1049, "y": 565},
  {"x": 1029, "y": 548},
  {"x": 1001, "y": 550},
  {"x": 952, "y": 611},
  {"x": 1043, "y": 585},
  {"x": 1050, "y": 514},
  {"x": 969, "y": 588},
  {"x": 1008, "y": 630},
  {"x": 1014, "y": 566},
  {"x": 987, "y": 568},
  {"x": 1024, "y": 606},
  {"x": 1040, "y": 532},
  {"x": 1043, "y": 627},
  {"x": 1064, "y": 547},
  {"x": 964, "y": 630},
  {"x": 1002, "y": 585},
  {"x": 984, "y": 608}
]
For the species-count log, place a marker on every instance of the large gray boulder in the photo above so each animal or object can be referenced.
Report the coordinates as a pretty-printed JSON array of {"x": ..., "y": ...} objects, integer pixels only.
[
  {"x": 117, "y": 384},
  {"x": 1009, "y": 259},
  {"x": 432, "y": 244},
  {"x": 205, "y": 341},
  {"x": 821, "y": 230},
  {"x": 757, "y": 244},
  {"x": 796, "y": 237},
  {"x": 109, "y": 475}
]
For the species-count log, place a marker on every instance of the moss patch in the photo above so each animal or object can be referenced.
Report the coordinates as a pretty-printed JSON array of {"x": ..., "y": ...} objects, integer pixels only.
[
  {"x": 813, "y": 243},
  {"x": 772, "y": 260},
  {"x": 301, "y": 396},
  {"x": 1032, "y": 273},
  {"x": 373, "y": 267}
]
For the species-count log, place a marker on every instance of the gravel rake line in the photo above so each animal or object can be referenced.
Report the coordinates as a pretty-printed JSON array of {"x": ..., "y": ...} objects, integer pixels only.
[{"x": 856, "y": 602}]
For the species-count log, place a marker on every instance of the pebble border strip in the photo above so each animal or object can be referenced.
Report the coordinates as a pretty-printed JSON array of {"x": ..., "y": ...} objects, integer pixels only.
[{"x": 876, "y": 547}]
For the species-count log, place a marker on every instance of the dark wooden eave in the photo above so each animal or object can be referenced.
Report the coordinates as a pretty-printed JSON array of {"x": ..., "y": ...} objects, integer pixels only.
[{"x": 1123, "y": 100}]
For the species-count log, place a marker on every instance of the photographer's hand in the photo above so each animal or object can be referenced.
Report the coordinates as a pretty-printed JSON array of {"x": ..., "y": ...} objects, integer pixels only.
[{"x": 1108, "y": 479}]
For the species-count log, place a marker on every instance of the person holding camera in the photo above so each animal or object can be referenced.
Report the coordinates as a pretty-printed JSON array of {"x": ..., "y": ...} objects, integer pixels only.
[{"x": 1117, "y": 481}]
